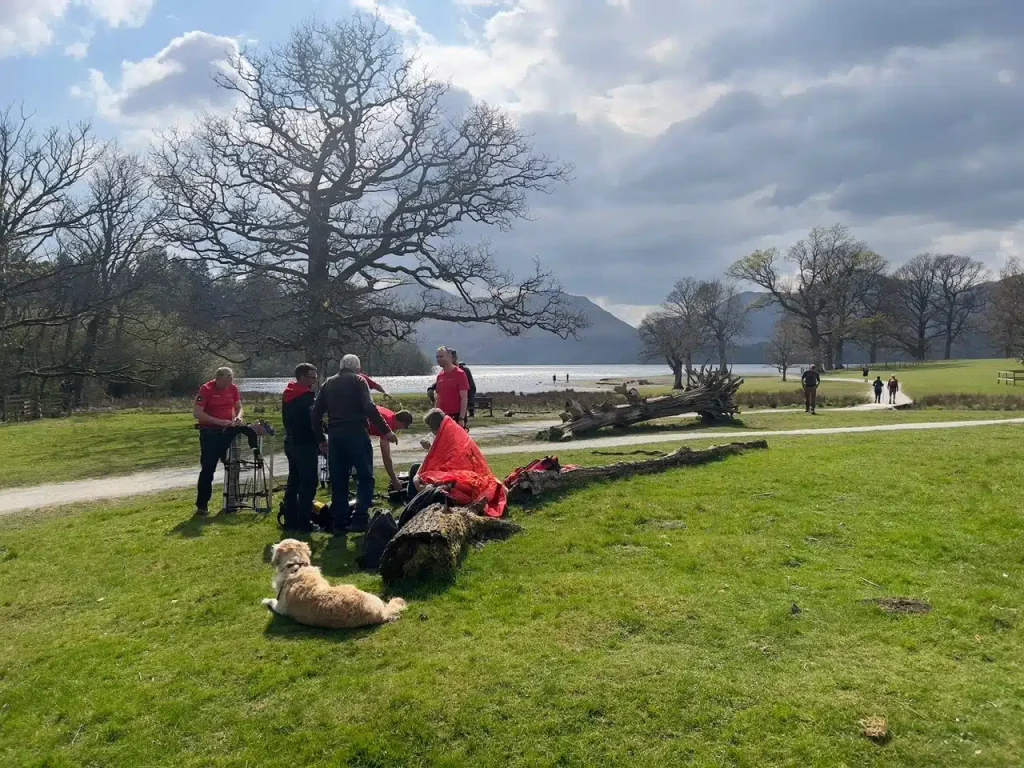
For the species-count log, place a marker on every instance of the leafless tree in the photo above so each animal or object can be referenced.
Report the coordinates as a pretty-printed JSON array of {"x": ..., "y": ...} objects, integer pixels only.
[
  {"x": 854, "y": 276},
  {"x": 723, "y": 315},
  {"x": 663, "y": 339},
  {"x": 916, "y": 320},
  {"x": 829, "y": 266},
  {"x": 787, "y": 344},
  {"x": 683, "y": 304},
  {"x": 958, "y": 296},
  {"x": 345, "y": 175},
  {"x": 1005, "y": 315}
]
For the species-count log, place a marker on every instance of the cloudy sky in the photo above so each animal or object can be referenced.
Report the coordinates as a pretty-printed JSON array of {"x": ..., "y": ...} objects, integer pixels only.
[{"x": 700, "y": 129}]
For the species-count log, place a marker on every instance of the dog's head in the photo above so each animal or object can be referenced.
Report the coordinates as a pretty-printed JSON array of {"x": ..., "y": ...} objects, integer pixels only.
[{"x": 290, "y": 552}]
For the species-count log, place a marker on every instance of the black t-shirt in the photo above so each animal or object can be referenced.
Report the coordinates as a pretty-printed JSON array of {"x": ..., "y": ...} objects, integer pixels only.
[{"x": 810, "y": 379}]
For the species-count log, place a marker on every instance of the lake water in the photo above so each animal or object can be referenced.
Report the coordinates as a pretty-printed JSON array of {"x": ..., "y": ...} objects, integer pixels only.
[{"x": 519, "y": 378}]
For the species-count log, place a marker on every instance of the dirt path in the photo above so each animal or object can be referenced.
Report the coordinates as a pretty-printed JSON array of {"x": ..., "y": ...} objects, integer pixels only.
[{"x": 58, "y": 494}]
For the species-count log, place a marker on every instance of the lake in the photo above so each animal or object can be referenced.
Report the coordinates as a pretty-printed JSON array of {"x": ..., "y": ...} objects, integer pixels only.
[{"x": 519, "y": 378}]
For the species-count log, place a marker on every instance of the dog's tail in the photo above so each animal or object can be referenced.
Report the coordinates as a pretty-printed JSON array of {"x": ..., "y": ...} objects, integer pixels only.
[
  {"x": 271, "y": 604},
  {"x": 394, "y": 608}
]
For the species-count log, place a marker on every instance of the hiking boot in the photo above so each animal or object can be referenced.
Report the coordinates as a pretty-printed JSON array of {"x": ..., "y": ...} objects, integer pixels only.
[{"x": 201, "y": 512}]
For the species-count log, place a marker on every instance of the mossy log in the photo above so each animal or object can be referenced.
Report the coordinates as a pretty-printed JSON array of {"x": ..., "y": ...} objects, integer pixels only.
[
  {"x": 711, "y": 395},
  {"x": 535, "y": 483},
  {"x": 431, "y": 545}
]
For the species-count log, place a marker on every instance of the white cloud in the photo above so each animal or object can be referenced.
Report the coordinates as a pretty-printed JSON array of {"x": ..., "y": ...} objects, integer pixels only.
[
  {"x": 30, "y": 26},
  {"x": 628, "y": 313},
  {"x": 77, "y": 50},
  {"x": 27, "y": 26},
  {"x": 172, "y": 85},
  {"x": 121, "y": 13}
]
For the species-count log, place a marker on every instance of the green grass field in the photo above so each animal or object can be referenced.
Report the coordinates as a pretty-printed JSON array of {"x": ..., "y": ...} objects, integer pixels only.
[
  {"x": 105, "y": 445},
  {"x": 951, "y": 377},
  {"x": 707, "y": 616}
]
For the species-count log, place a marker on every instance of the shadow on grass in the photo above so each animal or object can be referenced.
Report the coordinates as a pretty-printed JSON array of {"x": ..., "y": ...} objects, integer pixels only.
[
  {"x": 286, "y": 629},
  {"x": 194, "y": 526}
]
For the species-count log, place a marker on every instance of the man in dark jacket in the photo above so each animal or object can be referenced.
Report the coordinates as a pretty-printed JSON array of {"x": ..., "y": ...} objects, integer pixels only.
[
  {"x": 472, "y": 384},
  {"x": 346, "y": 399},
  {"x": 877, "y": 385},
  {"x": 810, "y": 380},
  {"x": 300, "y": 447}
]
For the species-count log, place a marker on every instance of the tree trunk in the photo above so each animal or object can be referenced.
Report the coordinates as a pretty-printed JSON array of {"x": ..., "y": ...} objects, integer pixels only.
[
  {"x": 318, "y": 275},
  {"x": 532, "y": 484},
  {"x": 949, "y": 341},
  {"x": 873, "y": 352},
  {"x": 723, "y": 356},
  {"x": 431, "y": 546},
  {"x": 713, "y": 398},
  {"x": 677, "y": 375}
]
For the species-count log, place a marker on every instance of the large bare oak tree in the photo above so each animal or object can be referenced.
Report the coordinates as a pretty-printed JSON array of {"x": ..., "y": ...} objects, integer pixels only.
[{"x": 345, "y": 174}]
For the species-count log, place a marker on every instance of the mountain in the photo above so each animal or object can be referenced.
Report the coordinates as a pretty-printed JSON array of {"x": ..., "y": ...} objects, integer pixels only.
[{"x": 607, "y": 341}]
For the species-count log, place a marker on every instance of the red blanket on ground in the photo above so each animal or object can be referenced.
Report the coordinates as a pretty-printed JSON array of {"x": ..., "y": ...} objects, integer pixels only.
[{"x": 455, "y": 458}]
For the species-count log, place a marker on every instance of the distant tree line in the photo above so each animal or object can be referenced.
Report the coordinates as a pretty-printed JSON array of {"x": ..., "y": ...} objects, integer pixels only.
[
  {"x": 316, "y": 219},
  {"x": 833, "y": 292}
]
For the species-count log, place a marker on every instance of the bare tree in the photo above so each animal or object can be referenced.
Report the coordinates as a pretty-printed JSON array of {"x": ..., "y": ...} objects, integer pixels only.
[
  {"x": 345, "y": 176},
  {"x": 873, "y": 332},
  {"x": 916, "y": 321},
  {"x": 853, "y": 277},
  {"x": 786, "y": 346},
  {"x": 958, "y": 296},
  {"x": 663, "y": 339},
  {"x": 828, "y": 265},
  {"x": 723, "y": 315},
  {"x": 38, "y": 177},
  {"x": 1006, "y": 313},
  {"x": 684, "y": 305}
]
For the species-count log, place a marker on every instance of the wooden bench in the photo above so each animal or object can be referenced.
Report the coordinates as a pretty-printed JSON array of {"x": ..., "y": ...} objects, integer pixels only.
[{"x": 484, "y": 402}]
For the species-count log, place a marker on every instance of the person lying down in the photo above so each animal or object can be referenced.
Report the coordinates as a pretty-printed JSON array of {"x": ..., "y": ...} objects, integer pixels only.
[{"x": 454, "y": 459}]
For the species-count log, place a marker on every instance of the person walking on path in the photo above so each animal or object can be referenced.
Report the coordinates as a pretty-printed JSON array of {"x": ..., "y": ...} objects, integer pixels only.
[
  {"x": 810, "y": 381},
  {"x": 894, "y": 387},
  {"x": 452, "y": 389},
  {"x": 878, "y": 386},
  {"x": 300, "y": 448},
  {"x": 218, "y": 406},
  {"x": 345, "y": 398}
]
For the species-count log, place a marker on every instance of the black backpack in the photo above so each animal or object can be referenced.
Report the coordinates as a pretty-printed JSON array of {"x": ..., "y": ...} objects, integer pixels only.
[
  {"x": 431, "y": 494},
  {"x": 382, "y": 529}
]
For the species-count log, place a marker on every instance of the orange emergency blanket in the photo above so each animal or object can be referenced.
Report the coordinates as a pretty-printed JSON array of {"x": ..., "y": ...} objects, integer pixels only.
[{"x": 455, "y": 458}]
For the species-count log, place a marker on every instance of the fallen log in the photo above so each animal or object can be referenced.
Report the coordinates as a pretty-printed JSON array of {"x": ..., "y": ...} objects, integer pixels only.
[
  {"x": 533, "y": 484},
  {"x": 711, "y": 395},
  {"x": 431, "y": 545}
]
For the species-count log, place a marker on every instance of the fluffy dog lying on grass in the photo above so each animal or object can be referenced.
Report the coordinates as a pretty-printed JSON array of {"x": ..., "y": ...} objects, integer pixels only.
[{"x": 303, "y": 594}]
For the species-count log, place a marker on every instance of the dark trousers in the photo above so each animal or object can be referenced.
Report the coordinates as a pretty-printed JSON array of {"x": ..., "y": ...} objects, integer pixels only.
[
  {"x": 213, "y": 448},
  {"x": 303, "y": 470},
  {"x": 410, "y": 487},
  {"x": 811, "y": 398},
  {"x": 348, "y": 450},
  {"x": 892, "y": 396},
  {"x": 878, "y": 395}
]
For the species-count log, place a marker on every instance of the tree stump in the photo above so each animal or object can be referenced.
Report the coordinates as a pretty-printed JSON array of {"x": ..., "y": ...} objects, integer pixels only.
[{"x": 431, "y": 545}]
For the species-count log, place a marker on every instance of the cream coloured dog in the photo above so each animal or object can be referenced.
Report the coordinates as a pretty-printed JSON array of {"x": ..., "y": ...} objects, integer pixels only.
[{"x": 303, "y": 594}]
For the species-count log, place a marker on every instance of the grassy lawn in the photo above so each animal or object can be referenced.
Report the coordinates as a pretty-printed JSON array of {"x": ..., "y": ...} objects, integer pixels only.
[
  {"x": 952, "y": 377},
  {"x": 708, "y": 616}
]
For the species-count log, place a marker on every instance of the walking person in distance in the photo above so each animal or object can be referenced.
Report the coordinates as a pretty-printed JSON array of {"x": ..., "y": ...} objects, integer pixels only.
[
  {"x": 894, "y": 387},
  {"x": 878, "y": 386},
  {"x": 810, "y": 381}
]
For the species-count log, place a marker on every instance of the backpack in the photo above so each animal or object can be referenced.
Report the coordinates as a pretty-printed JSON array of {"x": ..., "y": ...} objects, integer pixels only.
[
  {"x": 382, "y": 529},
  {"x": 431, "y": 494}
]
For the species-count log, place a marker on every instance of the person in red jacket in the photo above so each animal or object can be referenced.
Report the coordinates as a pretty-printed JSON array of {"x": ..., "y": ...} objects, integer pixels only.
[
  {"x": 218, "y": 406},
  {"x": 373, "y": 385},
  {"x": 452, "y": 388},
  {"x": 397, "y": 422}
]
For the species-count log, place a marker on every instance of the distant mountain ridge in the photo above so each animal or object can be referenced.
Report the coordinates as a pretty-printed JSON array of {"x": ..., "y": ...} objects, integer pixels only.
[{"x": 607, "y": 341}]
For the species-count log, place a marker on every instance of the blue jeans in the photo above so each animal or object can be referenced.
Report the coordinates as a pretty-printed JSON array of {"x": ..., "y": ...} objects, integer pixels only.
[{"x": 347, "y": 450}]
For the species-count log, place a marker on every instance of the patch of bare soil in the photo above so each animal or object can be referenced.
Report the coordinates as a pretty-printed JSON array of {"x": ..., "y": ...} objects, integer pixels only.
[
  {"x": 875, "y": 728},
  {"x": 901, "y": 605}
]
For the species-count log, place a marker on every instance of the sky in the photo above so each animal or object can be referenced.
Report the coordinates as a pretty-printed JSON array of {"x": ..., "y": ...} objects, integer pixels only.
[{"x": 700, "y": 130}]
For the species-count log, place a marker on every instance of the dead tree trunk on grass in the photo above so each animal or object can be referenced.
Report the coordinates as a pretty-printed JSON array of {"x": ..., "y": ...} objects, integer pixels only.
[
  {"x": 712, "y": 396},
  {"x": 532, "y": 484},
  {"x": 431, "y": 545}
]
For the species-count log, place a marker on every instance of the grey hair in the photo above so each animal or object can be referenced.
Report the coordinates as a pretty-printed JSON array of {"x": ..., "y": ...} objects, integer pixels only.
[
  {"x": 225, "y": 371},
  {"x": 350, "y": 363},
  {"x": 433, "y": 419}
]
